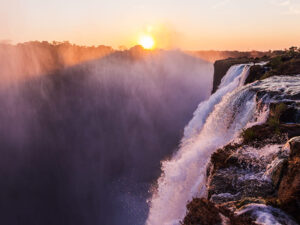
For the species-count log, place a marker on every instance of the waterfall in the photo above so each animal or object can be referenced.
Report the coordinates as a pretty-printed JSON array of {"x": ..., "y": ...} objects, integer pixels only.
[
  {"x": 235, "y": 77},
  {"x": 216, "y": 122}
]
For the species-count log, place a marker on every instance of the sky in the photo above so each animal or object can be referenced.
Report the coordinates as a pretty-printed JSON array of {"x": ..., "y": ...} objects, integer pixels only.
[{"x": 184, "y": 24}]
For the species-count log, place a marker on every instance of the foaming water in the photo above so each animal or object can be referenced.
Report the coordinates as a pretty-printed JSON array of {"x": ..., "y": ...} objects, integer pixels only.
[
  {"x": 215, "y": 123},
  {"x": 288, "y": 86},
  {"x": 266, "y": 215},
  {"x": 234, "y": 78}
]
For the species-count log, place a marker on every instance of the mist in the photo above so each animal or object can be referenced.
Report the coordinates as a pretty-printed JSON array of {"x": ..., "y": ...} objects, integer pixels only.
[
  {"x": 34, "y": 58},
  {"x": 83, "y": 144}
]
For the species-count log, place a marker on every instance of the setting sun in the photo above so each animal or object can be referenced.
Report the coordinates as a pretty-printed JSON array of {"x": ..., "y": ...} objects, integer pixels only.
[{"x": 147, "y": 41}]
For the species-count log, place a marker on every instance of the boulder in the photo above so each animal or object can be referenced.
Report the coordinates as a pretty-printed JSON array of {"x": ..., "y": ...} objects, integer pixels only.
[
  {"x": 203, "y": 212},
  {"x": 289, "y": 188}
]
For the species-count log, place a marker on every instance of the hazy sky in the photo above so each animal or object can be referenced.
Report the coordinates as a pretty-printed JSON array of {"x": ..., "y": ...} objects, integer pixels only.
[{"x": 186, "y": 24}]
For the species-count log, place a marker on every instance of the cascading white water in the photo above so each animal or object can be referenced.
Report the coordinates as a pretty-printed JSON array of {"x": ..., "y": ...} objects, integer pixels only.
[
  {"x": 216, "y": 121},
  {"x": 235, "y": 77}
]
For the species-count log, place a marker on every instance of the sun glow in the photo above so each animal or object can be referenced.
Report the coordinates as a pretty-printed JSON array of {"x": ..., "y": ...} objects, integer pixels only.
[{"x": 147, "y": 42}]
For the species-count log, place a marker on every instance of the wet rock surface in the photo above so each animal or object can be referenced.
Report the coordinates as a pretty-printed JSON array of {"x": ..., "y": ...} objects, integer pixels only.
[
  {"x": 264, "y": 214},
  {"x": 257, "y": 176},
  {"x": 204, "y": 212},
  {"x": 221, "y": 66},
  {"x": 256, "y": 181},
  {"x": 248, "y": 185},
  {"x": 246, "y": 173},
  {"x": 288, "y": 197}
]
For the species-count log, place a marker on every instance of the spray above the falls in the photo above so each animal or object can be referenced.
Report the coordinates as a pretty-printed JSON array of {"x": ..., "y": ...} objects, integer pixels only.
[
  {"x": 216, "y": 122},
  {"x": 83, "y": 144}
]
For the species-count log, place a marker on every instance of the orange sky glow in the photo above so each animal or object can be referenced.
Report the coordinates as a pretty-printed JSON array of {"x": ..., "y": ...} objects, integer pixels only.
[{"x": 189, "y": 25}]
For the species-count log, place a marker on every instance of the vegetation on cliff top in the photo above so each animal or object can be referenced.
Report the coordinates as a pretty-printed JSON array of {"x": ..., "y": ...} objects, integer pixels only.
[{"x": 285, "y": 62}]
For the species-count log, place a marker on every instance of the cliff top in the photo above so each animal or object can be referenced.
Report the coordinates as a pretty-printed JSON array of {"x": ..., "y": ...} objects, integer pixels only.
[{"x": 279, "y": 63}]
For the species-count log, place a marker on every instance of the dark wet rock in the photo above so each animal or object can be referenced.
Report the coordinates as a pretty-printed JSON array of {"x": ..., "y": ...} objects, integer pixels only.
[
  {"x": 258, "y": 177},
  {"x": 280, "y": 63},
  {"x": 222, "y": 182},
  {"x": 248, "y": 185},
  {"x": 248, "y": 178},
  {"x": 277, "y": 171},
  {"x": 285, "y": 112},
  {"x": 203, "y": 212},
  {"x": 255, "y": 73},
  {"x": 291, "y": 130},
  {"x": 282, "y": 124},
  {"x": 264, "y": 214},
  {"x": 242, "y": 176},
  {"x": 289, "y": 189},
  {"x": 261, "y": 135},
  {"x": 246, "y": 201},
  {"x": 222, "y": 66},
  {"x": 233, "y": 184},
  {"x": 291, "y": 115},
  {"x": 240, "y": 171},
  {"x": 220, "y": 156},
  {"x": 294, "y": 144}
]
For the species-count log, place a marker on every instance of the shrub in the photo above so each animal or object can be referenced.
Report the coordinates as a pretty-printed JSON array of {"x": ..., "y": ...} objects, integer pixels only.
[
  {"x": 274, "y": 119},
  {"x": 275, "y": 124},
  {"x": 279, "y": 110},
  {"x": 275, "y": 62},
  {"x": 266, "y": 75},
  {"x": 248, "y": 135}
]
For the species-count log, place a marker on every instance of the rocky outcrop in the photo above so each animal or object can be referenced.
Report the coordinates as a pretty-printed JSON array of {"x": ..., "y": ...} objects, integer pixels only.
[
  {"x": 204, "y": 212},
  {"x": 246, "y": 182},
  {"x": 288, "y": 198},
  {"x": 261, "y": 168},
  {"x": 255, "y": 73},
  {"x": 285, "y": 63},
  {"x": 257, "y": 178},
  {"x": 260, "y": 175},
  {"x": 222, "y": 66},
  {"x": 246, "y": 173}
]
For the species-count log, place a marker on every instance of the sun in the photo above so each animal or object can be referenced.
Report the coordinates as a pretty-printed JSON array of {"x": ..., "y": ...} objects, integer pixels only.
[{"x": 147, "y": 42}]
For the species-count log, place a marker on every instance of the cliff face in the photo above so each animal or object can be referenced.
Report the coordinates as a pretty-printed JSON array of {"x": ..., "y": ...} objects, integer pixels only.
[
  {"x": 258, "y": 175},
  {"x": 236, "y": 199},
  {"x": 222, "y": 66},
  {"x": 255, "y": 179},
  {"x": 283, "y": 63}
]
